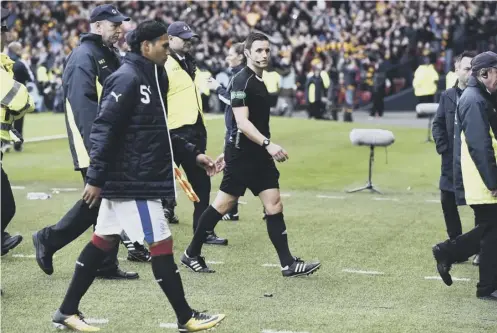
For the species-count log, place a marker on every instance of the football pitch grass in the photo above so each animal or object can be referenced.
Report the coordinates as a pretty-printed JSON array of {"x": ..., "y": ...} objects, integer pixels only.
[{"x": 377, "y": 275}]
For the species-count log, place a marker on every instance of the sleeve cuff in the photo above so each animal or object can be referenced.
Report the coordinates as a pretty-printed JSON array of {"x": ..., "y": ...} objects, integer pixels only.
[{"x": 94, "y": 179}]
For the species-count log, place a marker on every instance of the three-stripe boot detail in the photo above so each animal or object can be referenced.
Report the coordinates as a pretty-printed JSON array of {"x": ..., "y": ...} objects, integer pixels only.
[
  {"x": 300, "y": 268},
  {"x": 196, "y": 264}
]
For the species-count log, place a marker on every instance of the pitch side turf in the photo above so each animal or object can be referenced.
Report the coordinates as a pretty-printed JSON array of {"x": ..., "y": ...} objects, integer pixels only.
[{"x": 378, "y": 274}]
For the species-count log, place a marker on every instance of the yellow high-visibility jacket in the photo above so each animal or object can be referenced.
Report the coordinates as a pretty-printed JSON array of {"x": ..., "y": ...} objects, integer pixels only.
[
  {"x": 184, "y": 101},
  {"x": 425, "y": 80},
  {"x": 15, "y": 98}
]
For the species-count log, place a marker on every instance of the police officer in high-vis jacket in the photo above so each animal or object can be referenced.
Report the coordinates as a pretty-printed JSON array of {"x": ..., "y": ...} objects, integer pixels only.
[
  {"x": 186, "y": 119},
  {"x": 15, "y": 102}
]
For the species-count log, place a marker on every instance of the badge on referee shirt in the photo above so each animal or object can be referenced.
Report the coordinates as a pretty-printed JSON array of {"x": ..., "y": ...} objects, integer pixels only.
[{"x": 238, "y": 95}]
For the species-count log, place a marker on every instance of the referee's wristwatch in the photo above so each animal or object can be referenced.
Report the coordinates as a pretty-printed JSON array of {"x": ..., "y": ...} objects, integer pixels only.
[{"x": 265, "y": 143}]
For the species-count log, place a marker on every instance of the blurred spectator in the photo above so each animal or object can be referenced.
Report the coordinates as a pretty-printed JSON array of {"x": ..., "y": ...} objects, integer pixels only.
[{"x": 425, "y": 82}]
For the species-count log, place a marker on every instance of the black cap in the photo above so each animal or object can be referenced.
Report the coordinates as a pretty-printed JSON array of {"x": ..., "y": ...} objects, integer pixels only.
[
  {"x": 180, "y": 29},
  {"x": 107, "y": 13},
  {"x": 484, "y": 60}
]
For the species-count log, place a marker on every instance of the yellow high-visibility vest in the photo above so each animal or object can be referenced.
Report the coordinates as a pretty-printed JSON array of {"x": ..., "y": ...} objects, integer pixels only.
[
  {"x": 184, "y": 101},
  {"x": 14, "y": 97},
  {"x": 425, "y": 81}
]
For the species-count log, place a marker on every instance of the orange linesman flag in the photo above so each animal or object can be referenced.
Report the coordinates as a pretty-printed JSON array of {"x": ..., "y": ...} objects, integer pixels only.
[{"x": 185, "y": 185}]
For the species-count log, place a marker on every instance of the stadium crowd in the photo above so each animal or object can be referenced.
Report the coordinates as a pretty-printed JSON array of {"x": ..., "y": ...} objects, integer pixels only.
[{"x": 352, "y": 40}]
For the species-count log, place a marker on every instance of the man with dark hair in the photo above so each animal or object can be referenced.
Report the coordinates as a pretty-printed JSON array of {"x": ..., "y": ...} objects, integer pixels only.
[
  {"x": 186, "y": 119},
  {"x": 85, "y": 71},
  {"x": 249, "y": 163},
  {"x": 131, "y": 169},
  {"x": 475, "y": 176},
  {"x": 443, "y": 133}
]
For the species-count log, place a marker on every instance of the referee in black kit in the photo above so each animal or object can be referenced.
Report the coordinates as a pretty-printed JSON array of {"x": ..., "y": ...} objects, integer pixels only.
[{"x": 249, "y": 163}]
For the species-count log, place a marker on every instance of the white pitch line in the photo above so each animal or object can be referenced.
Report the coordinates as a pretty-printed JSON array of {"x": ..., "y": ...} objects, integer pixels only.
[
  {"x": 348, "y": 270},
  {"x": 433, "y": 201},
  {"x": 215, "y": 262},
  {"x": 386, "y": 199},
  {"x": 66, "y": 189},
  {"x": 97, "y": 320},
  {"x": 285, "y": 195},
  {"x": 453, "y": 278},
  {"x": 46, "y": 138},
  {"x": 270, "y": 265},
  {"x": 242, "y": 202},
  {"x": 329, "y": 196},
  {"x": 273, "y": 331},
  {"x": 18, "y": 187},
  {"x": 168, "y": 325},
  {"x": 24, "y": 256},
  {"x": 27, "y": 256}
]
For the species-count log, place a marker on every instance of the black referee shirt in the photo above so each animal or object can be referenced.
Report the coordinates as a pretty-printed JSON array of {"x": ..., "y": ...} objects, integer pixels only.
[{"x": 249, "y": 90}]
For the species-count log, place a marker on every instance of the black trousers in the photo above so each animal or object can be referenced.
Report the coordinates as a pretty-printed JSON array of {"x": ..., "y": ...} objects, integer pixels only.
[
  {"x": 76, "y": 221},
  {"x": 198, "y": 178},
  {"x": 378, "y": 103},
  {"x": 8, "y": 202},
  {"x": 316, "y": 110},
  {"x": 451, "y": 214},
  {"x": 426, "y": 99},
  {"x": 482, "y": 239},
  {"x": 19, "y": 125}
]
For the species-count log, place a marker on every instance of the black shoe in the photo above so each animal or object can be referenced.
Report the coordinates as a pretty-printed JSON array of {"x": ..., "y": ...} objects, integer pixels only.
[
  {"x": 490, "y": 297},
  {"x": 139, "y": 254},
  {"x": 18, "y": 147},
  {"x": 196, "y": 264},
  {"x": 347, "y": 117},
  {"x": 230, "y": 217},
  {"x": 476, "y": 260},
  {"x": 170, "y": 216},
  {"x": 300, "y": 268},
  {"x": 10, "y": 242},
  {"x": 213, "y": 239},
  {"x": 443, "y": 264},
  {"x": 44, "y": 258},
  {"x": 117, "y": 274}
]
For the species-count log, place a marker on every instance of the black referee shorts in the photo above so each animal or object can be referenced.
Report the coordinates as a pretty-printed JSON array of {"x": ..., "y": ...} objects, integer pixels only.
[{"x": 243, "y": 170}]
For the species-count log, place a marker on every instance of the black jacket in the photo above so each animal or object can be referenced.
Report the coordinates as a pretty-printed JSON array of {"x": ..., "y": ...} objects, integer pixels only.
[
  {"x": 319, "y": 89},
  {"x": 443, "y": 134},
  {"x": 21, "y": 72},
  {"x": 131, "y": 155},
  {"x": 85, "y": 71},
  {"x": 475, "y": 146}
]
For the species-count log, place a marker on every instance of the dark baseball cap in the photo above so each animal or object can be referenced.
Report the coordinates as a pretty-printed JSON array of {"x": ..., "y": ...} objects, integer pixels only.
[
  {"x": 107, "y": 13},
  {"x": 484, "y": 60},
  {"x": 180, "y": 29}
]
